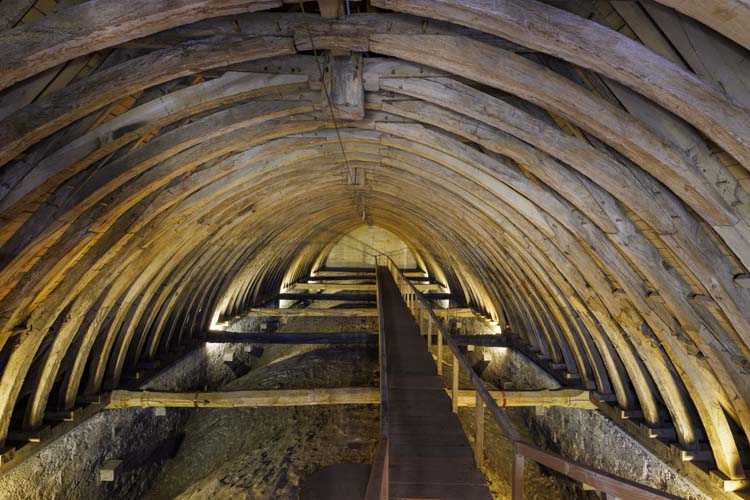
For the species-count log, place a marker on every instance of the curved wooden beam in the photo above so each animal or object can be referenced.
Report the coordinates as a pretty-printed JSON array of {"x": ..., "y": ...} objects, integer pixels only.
[
  {"x": 590, "y": 45},
  {"x": 97, "y": 24},
  {"x": 728, "y": 17},
  {"x": 36, "y": 121}
]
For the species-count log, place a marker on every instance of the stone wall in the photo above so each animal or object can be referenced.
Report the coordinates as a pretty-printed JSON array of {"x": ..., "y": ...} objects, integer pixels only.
[
  {"x": 68, "y": 467},
  {"x": 582, "y": 435},
  {"x": 357, "y": 248},
  {"x": 265, "y": 453}
]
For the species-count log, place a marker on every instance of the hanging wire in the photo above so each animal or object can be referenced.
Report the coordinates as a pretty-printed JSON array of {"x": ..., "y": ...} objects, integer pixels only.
[{"x": 351, "y": 176}]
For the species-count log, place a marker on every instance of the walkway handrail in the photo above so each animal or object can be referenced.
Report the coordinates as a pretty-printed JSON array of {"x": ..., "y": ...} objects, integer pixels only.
[
  {"x": 378, "y": 484},
  {"x": 383, "y": 361},
  {"x": 601, "y": 481}
]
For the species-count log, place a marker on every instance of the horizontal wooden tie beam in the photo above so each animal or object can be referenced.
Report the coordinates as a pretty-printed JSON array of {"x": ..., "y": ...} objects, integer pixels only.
[
  {"x": 362, "y": 278},
  {"x": 328, "y": 285},
  {"x": 458, "y": 312},
  {"x": 570, "y": 398},
  {"x": 364, "y": 297},
  {"x": 334, "y": 338},
  {"x": 352, "y": 313},
  {"x": 293, "y": 338},
  {"x": 244, "y": 399}
]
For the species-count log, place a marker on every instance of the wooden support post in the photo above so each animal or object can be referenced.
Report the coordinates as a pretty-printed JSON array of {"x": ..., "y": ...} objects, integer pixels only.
[
  {"x": 108, "y": 471},
  {"x": 345, "y": 87},
  {"x": 331, "y": 9},
  {"x": 429, "y": 335},
  {"x": 455, "y": 384},
  {"x": 742, "y": 280},
  {"x": 440, "y": 352},
  {"x": 479, "y": 423},
  {"x": 421, "y": 317},
  {"x": 517, "y": 475}
]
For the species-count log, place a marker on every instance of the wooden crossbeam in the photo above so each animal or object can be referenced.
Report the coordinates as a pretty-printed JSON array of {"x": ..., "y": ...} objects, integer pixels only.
[
  {"x": 458, "y": 312},
  {"x": 570, "y": 398},
  {"x": 481, "y": 340},
  {"x": 342, "y": 277},
  {"x": 356, "y": 286},
  {"x": 315, "y": 313},
  {"x": 333, "y": 286},
  {"x": 364, "y": 297},
  {"x": 244, "y": 399},
  {"x": 360, "y": 277},
  {"x": 293, "y": 338},
  {"x": 336, "y": 338}
]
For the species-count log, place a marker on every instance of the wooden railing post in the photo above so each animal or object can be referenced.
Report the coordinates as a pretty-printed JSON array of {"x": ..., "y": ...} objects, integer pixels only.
[
  {"x": 439, "y": 350},
  {"x": 517, "y": 475},
  {"x": 615, "y": 487},
  {"x": 479, "y": 423},
  {"x": 429, "y": 334},
  {"x": 421, "y": 316},
  {"x": 455, "y": 383}
]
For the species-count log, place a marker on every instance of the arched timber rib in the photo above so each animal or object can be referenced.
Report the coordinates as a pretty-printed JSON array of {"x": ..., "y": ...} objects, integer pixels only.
[
  {"x": 133, "y": 290},
  {"x": 539, "y": 26},
  {"x": 725, "y": 16},
  {"x": 609, "y": 244}
]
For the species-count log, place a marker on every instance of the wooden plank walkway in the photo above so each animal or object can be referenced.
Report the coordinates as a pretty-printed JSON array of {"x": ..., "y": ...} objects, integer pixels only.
[{"x": 429, "y": 454}]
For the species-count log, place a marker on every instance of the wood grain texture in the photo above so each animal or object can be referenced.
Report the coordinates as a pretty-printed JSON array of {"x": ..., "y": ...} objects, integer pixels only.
[{"x": 97, "y": 24}]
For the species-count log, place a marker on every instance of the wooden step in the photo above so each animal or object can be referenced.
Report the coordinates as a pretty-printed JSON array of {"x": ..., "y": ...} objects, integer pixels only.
[
  {"x": 429, "y": 453},
  {"x": 443, "y": 439},
  {"x": 402, "y": 451},
  {"x": 417, "y": 382},
  {"x": 419, "y": 491},
  {"x": 445, "y": 472}
]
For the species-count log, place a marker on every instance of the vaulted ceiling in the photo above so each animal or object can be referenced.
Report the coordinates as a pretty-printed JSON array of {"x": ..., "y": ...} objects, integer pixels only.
[{"x": 581, "y": 176}]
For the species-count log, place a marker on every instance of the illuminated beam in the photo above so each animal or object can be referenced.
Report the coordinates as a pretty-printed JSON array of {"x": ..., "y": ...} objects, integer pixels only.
[
  {"x": 357, "y": 286},
  {"x": 244, "y": 399},
  {"x": 569, "y": 398},
  {"x": 364, "y": 297},
  {"x": 336, "y": 338},
  {"x": 314, "y": 313},
  {"x": 293, "y": 338}
]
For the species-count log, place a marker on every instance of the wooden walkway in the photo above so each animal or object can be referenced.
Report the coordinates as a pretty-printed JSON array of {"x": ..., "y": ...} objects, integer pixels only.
[{"x": 429, "y": 454}]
